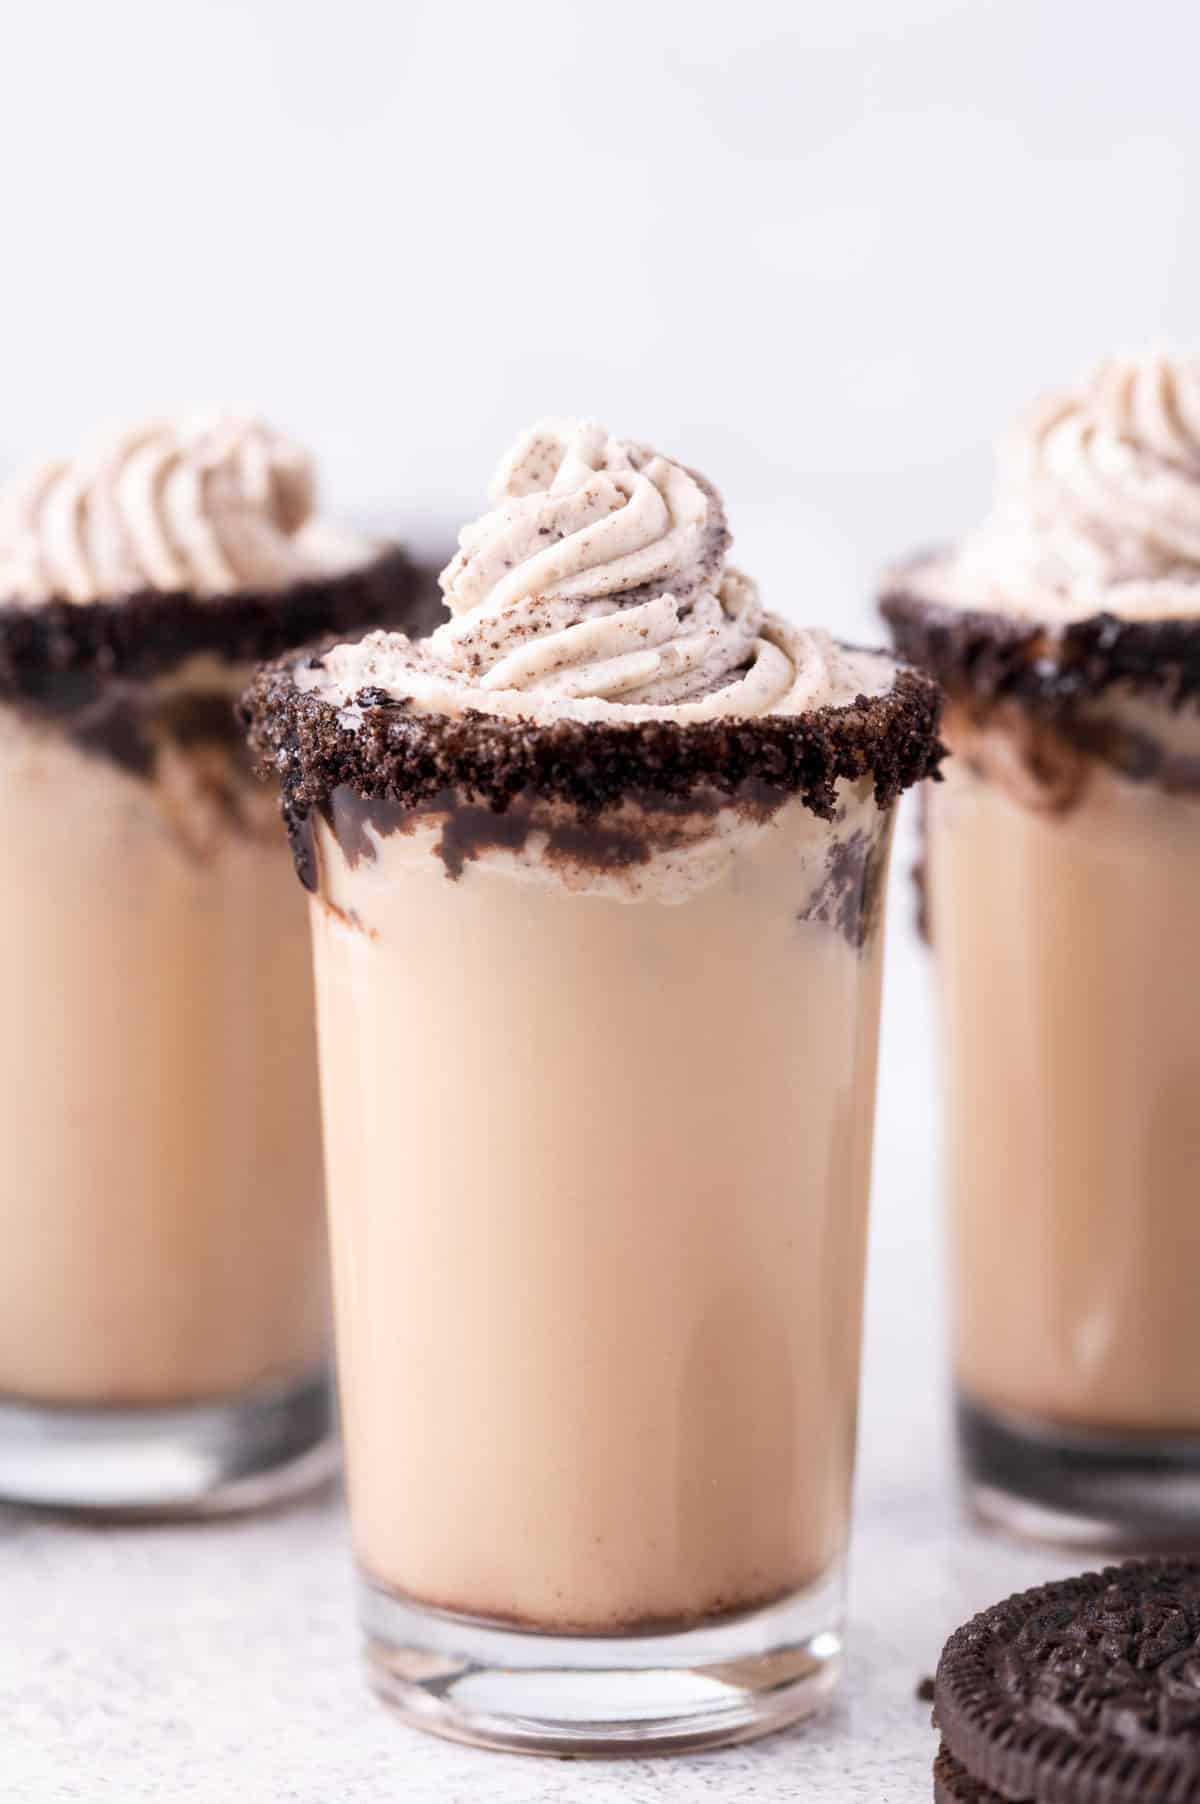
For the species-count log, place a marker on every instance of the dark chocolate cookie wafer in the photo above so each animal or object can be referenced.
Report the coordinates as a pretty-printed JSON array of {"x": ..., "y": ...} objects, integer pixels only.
[
  {"x": 953, "y": 1784},
  {"x": 1082, "y": 1692}
]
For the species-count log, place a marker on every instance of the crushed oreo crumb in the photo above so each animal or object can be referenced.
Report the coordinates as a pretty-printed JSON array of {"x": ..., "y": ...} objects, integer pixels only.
[
  {"x": 61, "y": 654},
  {"x": 992, "y": 657},
  {"x": 399, "y": 756},
  {"x": 953, "y": 1784}
]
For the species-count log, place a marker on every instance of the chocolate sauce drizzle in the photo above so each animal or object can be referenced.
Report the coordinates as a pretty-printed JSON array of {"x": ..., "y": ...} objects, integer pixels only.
[
  {"x": 850, "y": 897},
  {"x": 595, "y": 844}
]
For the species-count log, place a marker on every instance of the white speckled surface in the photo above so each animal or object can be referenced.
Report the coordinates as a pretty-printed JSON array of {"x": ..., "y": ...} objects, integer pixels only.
[{"x": 221, "y": 1662}]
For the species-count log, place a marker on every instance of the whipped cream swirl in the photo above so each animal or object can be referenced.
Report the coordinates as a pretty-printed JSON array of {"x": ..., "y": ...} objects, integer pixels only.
[
  {"x": 596, "y": 588},
  {"x": 210, "y": 504},
  {"x": 1098, "y": 501}
]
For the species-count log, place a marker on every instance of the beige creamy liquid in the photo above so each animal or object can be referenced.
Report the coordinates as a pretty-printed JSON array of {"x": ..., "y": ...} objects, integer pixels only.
[
  {"x": 1069, "y": 970},
  {"x": 598, "y": 1173},
  {"x": 160, "y": 1204}
]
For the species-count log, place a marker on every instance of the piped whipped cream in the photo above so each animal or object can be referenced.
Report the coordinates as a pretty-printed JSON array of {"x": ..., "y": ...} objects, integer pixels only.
[
  {"x": 210, "y": 504},
  {"x": 596, "y": 588},
  {"x": 1097, "y": 506}
]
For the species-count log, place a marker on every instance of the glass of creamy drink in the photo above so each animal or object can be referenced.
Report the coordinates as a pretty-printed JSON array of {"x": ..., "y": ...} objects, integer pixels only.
[
  {"x": 1063, "y": 874},
  {"x": 597, "y": 873},
  {"x": 163, "y": 1338}
]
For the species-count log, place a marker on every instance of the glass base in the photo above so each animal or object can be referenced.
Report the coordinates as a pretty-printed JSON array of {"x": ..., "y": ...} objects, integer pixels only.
[
  {"x": 192, "y": 1460},
  {"x": 499, "y": 1687},
  {"x": 1080, "y": 1487}
]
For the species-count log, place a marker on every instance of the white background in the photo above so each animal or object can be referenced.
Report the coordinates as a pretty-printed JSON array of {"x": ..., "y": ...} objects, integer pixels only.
[{"x": 822, "y": 251}]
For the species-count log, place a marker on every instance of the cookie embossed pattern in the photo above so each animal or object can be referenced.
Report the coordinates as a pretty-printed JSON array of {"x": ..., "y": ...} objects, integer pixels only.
[{"x": 1084, "y": 1691}]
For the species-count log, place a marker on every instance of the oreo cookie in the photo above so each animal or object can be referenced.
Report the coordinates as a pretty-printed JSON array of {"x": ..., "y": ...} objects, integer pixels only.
[
  {"x": 953, "y": 1784},
  {"x": 1086, "y": 1691}
]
